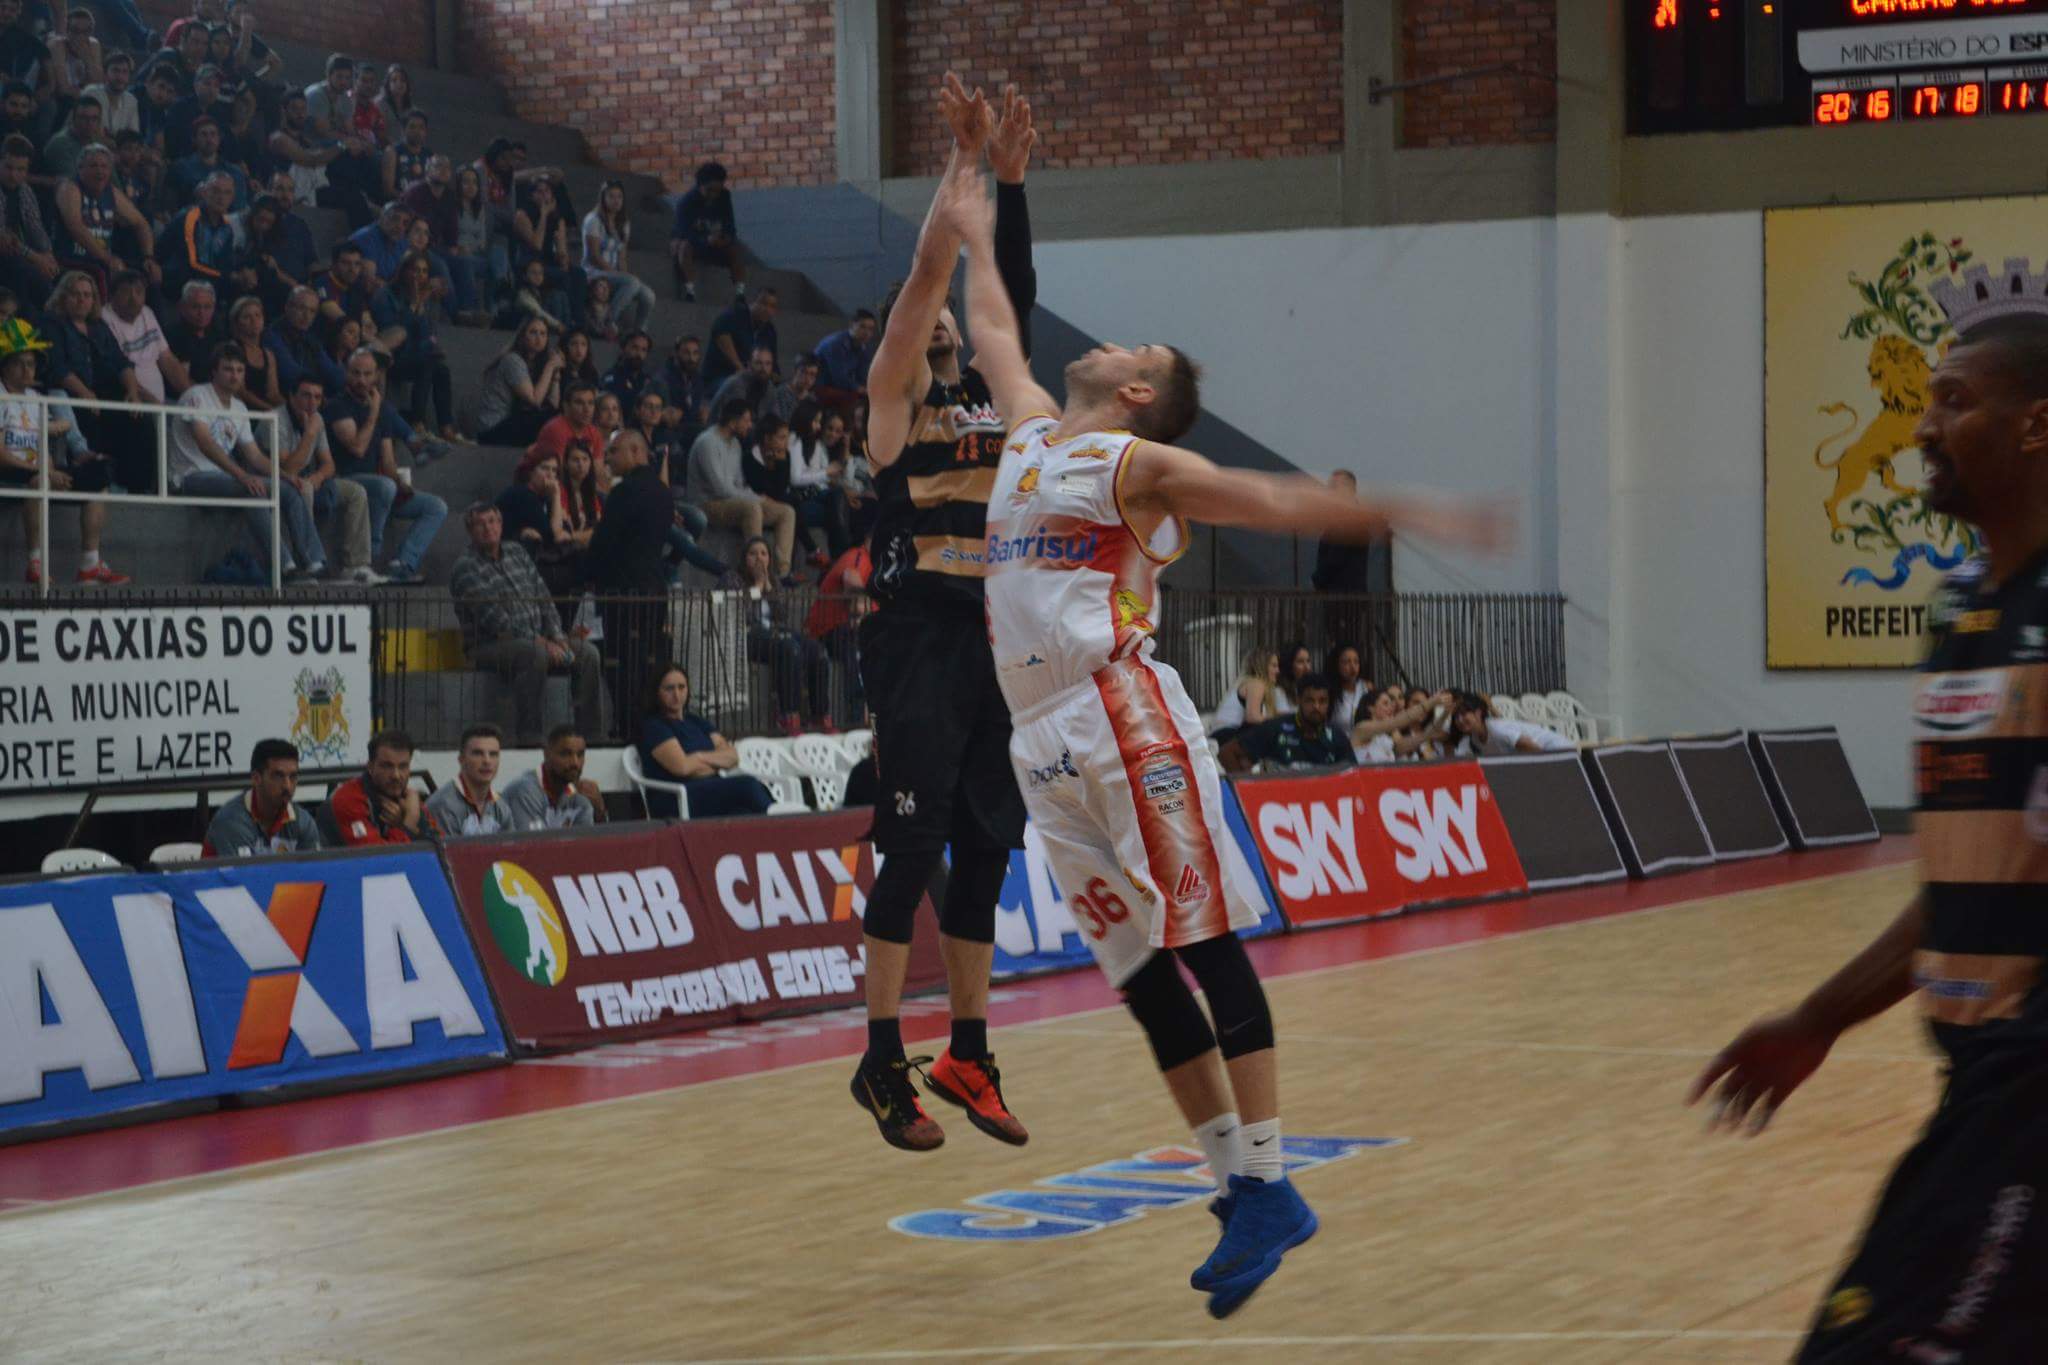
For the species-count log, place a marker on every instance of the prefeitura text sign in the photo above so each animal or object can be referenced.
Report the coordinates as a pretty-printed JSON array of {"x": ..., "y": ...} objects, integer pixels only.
[{"x": 92, "y": 698}]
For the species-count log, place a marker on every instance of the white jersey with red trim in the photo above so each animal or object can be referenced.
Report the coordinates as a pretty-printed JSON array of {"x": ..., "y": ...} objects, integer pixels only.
[{"x": 1070, "y": 584}]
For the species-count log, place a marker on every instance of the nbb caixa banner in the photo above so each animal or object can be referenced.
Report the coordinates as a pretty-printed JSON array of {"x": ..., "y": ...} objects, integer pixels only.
[
  {"x": 653, "y": 929},
  {"x": 127, "y": 695},
  {"x": 123, "y": 991},
  {"x": 1374, "y": 840}
]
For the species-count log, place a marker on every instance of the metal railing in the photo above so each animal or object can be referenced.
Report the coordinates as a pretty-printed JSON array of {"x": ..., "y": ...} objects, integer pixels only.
[
  {"x": 1493, "y": 643},
  {"x": 45, "y": 494}
]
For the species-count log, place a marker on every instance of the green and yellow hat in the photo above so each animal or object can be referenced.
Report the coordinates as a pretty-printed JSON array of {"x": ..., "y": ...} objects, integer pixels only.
[{"x": 17, "y": 336}]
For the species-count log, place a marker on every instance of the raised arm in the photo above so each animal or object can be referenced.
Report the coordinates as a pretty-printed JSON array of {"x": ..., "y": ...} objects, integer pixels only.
[
  {"x": 991, "y": 322},
  {"x": 1009, "y": 155}
]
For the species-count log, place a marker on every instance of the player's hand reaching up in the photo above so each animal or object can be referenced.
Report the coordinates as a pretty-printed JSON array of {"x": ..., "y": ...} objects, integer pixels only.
[
  {"x": 962, "y": 204},
  {"x": 1759, "y": 1070},
  {"x": 968, "y": 115},
  {"x": 1009, "y": 146}
]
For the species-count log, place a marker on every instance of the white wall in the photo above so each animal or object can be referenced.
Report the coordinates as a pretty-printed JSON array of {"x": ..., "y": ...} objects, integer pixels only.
[
  {"x": 1608, "y": 374},
  {"x": 1411, "y": 355}
]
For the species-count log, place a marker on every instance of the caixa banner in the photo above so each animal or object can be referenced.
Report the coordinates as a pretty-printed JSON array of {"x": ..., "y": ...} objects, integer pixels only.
[
  {"x": 126, "y": 991},
  {"x": 1375, "y": 840},
  {"x": 612, "y": 934},
  {"x": 1036, "y": 930}
]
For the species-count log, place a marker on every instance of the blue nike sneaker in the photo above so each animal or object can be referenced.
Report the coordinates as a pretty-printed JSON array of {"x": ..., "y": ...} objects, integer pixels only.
[{"x": 1263, "y": 1220}]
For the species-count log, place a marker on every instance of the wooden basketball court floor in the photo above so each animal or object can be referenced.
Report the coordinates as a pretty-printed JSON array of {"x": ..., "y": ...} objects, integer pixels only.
[{"x": 720, "y": 1198}]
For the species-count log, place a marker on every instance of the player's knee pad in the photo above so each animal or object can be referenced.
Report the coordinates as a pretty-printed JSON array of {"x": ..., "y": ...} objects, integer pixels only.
[
  {"x": 899, "y": 886},
  {"x": 1165, "y": 1008},
  {"x": 1236, "y": 999},
  {"x": 972, "y": 885}
]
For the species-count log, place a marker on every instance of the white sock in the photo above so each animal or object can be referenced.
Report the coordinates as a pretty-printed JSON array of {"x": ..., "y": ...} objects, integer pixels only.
[
  {"x": 88, "y": 560},
  {"x": 1262, "y": 1151},
  {"x": 1222, "y": 1141}
]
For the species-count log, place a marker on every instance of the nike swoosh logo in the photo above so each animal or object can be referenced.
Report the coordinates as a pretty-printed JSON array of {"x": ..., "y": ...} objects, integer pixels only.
[
  {"x": 881, "y": 1109},
  {"x": 1236, "y": 1028},
  {"x": 1260, "y": 1142}
]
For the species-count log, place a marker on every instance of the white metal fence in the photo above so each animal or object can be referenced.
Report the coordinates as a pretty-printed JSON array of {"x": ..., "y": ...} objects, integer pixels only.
[{"x": 164, "y": 414}]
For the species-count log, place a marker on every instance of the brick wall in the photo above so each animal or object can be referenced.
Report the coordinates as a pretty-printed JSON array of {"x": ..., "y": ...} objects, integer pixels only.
[
  {"x": 390, "y": 30},
  {"x": 1454, "y": 35},
  {"x": 1129, "y": 82},
  {"x": 659, "y": 85}
]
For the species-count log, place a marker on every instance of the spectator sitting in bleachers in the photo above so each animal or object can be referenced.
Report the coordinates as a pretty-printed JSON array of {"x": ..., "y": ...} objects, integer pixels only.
[
  {"x": 607, "y": 241},
  {"x": 330, "y": 117},
  {"x": 1296, "y": 663},
  {"x": 275, "y": 246},
  {"x": 20, "y": 115},
  {"x": 433, "y": 203},
  {"x": 671, "y": 463},
  {"x": 181, "y": 122},
  {"x": 476, "y": 237},
  {"x": 753, "y": 386},
  {"x": 28, "y": 265},
  {"x": 21, "y": 423},
  {"x": 261, "y": 386},
  {"x": 95, "y": 216},
  {"x": 87, "y": 363},
  {"x": 769, "y": 473},
  {"x": 1250, "y": 700},
  {"x": 205, "y": 14},
  {"x": 405, "y": 322},
  {"x": 785, "y": 400},
  {"x": 162, "y": 87},
  {"x": 313, "y": 162},
  {"x": 298, "y": 347},
  {"x": 120, "y": 111},
  {"x": 629, "y": 376},
  {"x": 129, "y": 317},
  {"x": 384, "y": 242},
  {"x": 799, "y": 668},
  {"x": 582, "y": 501},
  {"x": 522, "y": 389},
  {"x": 510, "y": 626},
  {"x": 137, "y": 171},
  {"x": 405, "y": 160},
  {"x": 649, "y": 418},
  {"x": 538, "y": 229},
  {"x": 61, "y": 152},
  {"x": 347, "y": 288},
  {"x": 705, "y": 230},
  {"x": 1394, "y": 728},
  {"x": 178, "y": 61},
  {"x": 1485, "y": 735},
  {"x": 556, "y": 795},
  {"x": 572, "y": 426},
  {"x": 536, "y": 520},
  {"x": 191, "y": 337},
  {"x": 835, "y": 617},
  {"x": 812, "y": 487},
  {"x": 857, "y": 508},
  {"x": 364, "y": 433},
  {"x": 718, "y": 484},
  {"x": 366, "y": 118},
  {"x": 596, "y": 315},
  {"x": 381, "y": 806},
  {"x": 682, "y": 385},
  {"x": 843, "y": 360},
  {"x": 1349, "y": 688},
  {"x": 677, "y": 746},
  {"x": 190, "y": 172},
  {"x": 734, "y": 335},
  {"x": 471, "y": 804},
  {"x": 215, "y": 454},
  {"x": 1305, "y": 739},
  {"x": 577, "y": 366},
  {"x": 263, "y": 819},
  {"x": 256, "y": 60},
  {"x": 77, "y": 60},
  {"x": 534, "y": 297},
  {"x": 308, "y": 460},
  {"x": 198, "y": 243},
  {"x": 609, "y": 416},
  {"x": 396, "y": 101}
]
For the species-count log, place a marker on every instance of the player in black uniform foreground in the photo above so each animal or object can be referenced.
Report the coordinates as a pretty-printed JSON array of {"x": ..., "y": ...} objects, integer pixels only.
[
  {"x": 942, "y": 732},
  {"x": 1954, "y": 1264}
]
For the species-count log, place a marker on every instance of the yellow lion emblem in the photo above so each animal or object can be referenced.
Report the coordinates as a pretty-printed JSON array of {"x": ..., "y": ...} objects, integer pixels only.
[
  {"x": 1132, "y": 611},
  {"x": 1899, "y": 374},
  {"x": 1029, "y": 482}
]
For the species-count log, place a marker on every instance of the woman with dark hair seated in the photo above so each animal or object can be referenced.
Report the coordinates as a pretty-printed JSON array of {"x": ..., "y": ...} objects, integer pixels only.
[
  {"x": 1349, "y": 687},
  {"x": 797, "y": 663},
  {"x": 676, "y": 746},
  {"x": 404, "y": 312}
]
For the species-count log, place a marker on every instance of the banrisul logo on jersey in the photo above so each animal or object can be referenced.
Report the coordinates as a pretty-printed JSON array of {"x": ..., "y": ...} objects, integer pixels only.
[
  {"x": 126, "y": 991},
  {"x": 1076, "y": 1203},
  {"x": 1960, "y": 705}
]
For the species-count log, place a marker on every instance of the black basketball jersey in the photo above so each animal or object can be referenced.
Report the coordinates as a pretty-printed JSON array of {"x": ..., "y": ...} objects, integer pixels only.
[
  {"x": 932, "y": 528},
  {"x": 1980, "y": 719}
]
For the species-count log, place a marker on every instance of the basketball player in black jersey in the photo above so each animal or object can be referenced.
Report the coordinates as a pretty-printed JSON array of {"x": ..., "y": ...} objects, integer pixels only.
[
  {"x": 1953, "y": 1269},
  {"x": 942, "y": 731}
]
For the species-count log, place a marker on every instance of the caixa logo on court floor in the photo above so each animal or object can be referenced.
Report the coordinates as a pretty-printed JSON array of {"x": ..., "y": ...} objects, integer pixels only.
[
  {"x": 1076, "y": 1203},
  {"x": 122, "y": 991}
]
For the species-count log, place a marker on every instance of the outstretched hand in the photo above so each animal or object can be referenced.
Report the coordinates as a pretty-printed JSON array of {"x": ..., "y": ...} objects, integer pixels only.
[
  {"x": 1759, "y": 1070},
  {"x": 968, "y": 115},
  {"x": 962, "y": 205},
  {"x": 1487, "y": 527},
  {"x": 1009, "y": 146}
]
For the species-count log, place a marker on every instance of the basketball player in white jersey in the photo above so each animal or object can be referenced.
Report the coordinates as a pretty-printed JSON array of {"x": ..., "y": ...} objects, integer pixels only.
[{"x": 1088, "y": 507}]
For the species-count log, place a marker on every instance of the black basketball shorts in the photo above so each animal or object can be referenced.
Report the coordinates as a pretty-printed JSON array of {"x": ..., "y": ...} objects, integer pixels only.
[
  {"x": 942, "y": 734},
  {"x": 1953, "y": 1269}
]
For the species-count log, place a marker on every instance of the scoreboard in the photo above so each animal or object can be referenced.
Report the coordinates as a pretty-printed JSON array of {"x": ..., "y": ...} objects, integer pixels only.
[{"x": 1724, "y": 64}]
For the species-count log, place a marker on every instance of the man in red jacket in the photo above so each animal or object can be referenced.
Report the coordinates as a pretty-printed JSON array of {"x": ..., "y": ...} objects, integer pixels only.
[{"x": 381, "y": 806}]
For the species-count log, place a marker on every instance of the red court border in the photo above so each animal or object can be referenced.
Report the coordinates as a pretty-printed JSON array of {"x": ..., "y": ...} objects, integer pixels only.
[{"x": 100, "y": 1162}]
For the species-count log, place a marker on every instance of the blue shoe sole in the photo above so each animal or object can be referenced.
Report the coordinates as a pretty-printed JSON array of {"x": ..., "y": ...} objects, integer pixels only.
[{"x": 1227, "y": 1296}]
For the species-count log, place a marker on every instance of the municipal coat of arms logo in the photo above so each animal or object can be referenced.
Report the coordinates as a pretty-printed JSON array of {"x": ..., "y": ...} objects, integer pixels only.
[{"x": 320, "y": 727}]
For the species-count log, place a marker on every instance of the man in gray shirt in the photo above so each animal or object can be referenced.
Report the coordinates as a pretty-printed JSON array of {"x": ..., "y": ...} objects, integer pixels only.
[
  {"x": 555, "y": 795},
  {"x": 263, "y": 819},
  {"x": 469, "y": 804},
  {"x": 509, "y": 624},
  {"x": 719, "y": 486}
]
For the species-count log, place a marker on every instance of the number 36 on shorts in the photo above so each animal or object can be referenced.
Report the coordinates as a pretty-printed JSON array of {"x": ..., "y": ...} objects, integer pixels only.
[{"x": 1099, "y": 907}]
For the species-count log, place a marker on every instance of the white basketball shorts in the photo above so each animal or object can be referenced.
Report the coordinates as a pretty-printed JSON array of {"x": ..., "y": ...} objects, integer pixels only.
[{"x": 1118, "y": 779}]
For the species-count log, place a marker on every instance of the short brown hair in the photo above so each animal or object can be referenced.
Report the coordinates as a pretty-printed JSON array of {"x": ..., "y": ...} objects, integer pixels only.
[{"x": 1167, "y": 418}]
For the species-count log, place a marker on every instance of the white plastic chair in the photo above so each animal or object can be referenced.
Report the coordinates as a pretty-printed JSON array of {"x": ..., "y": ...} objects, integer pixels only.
[
  {"x": 1504, "y": 706},
  {"x": 78, "y": 860},
  {"x": 1215, "y": 648},
  {"x": 858, "y": 743},
  {"x": 764, "y": 758},
  {"x": 829, "y": 790},
  {"x": 815, "y": 754},
  {"x": 644, "y": 784},
  {"x": 163, "y": 855}
]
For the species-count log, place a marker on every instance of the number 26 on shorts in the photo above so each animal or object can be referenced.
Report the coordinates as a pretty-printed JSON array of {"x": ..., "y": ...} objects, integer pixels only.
[{"x": 1099, "y": 907}]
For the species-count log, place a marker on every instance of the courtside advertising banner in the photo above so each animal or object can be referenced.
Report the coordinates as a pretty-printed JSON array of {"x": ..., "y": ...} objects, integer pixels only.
[
  {"x": 1036, "y": 930},
  {"x": 655, "y": 928},
  {"x": 126, "y": 991},
  {"x": 1375, "y": 840},
  {"x": 89, "y": 699}
]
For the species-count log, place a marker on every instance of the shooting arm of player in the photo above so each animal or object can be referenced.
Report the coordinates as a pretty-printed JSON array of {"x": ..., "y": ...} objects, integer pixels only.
[
  {"x": 991, "y": 322},
  {"x": 1774, "y": 1056},
  {"x": 1009, "y": 155},
  {"x": 1181, "y": 483},
  {"x": 899, "y": 373}
]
